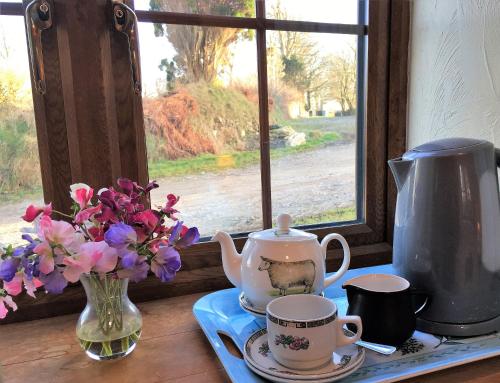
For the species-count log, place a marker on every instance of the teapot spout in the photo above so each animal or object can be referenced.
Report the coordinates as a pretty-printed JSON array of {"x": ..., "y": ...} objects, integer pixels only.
[
  {"x": 400, "y": 170},
  {"x": 231, "y": 259}
]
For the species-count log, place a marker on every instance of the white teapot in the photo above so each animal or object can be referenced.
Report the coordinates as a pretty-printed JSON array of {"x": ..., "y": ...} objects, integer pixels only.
[{"x": 278, "y": 262}]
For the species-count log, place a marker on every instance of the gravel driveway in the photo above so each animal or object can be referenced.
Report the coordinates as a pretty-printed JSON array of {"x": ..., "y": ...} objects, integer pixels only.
[{"x": 303, "y": 184}]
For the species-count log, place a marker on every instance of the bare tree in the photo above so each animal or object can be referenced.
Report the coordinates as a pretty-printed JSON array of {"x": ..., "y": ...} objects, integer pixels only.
[
  {"x": 342, "y": 75},
  {"x": 303, "y": 65},
  {"x": 202, "y": 51}
]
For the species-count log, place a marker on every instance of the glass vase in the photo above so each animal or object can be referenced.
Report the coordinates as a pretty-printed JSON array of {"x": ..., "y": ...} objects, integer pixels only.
[{"x": 110, "y": 325}]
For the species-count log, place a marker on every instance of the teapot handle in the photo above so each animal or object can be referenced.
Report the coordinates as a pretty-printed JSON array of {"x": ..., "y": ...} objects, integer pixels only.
[{"x": 347, "y": 257}]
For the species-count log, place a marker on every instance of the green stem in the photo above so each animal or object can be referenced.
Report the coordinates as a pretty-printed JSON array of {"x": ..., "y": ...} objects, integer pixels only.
[{"x": 107, "y": 297}]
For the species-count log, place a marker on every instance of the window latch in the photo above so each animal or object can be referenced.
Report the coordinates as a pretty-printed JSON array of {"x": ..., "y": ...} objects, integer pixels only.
[
  {"x": 38, "y": 16},
  {"x": 125, "y": 21}
]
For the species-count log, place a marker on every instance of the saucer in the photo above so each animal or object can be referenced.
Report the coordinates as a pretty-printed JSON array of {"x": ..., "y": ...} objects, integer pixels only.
[
  {"x": 257, "y": 354},
  {"x": 272, "y": 378},
  {"x": 246, "y": 305}
]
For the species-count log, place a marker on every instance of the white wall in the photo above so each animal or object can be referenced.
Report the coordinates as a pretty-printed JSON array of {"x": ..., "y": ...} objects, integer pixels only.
[{"x": 454, "y": 87}]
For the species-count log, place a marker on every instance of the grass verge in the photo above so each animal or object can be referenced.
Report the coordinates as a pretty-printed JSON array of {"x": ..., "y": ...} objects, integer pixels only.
[
  {"x": 341, "y": 214},
  {"x": 214, "y": 163}
]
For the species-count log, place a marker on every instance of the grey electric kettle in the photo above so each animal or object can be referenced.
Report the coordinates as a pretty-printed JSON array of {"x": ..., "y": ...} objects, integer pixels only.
[{"x": 447, "y": 233}]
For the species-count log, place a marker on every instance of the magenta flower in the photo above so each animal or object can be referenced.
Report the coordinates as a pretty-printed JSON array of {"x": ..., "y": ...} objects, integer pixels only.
[
  {"x": 166, "y": 263},
  {"x": 168, "y": 209},
  {"x": 86, "y": 214},
  {"x": 120, "y": 235},
  {"x": 5, "y": 302},
  {"x": 33, "y": 211},
  {"x": 146, "y": 218}
]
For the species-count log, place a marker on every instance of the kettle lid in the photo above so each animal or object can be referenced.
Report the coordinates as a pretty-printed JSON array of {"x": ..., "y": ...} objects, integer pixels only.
[
  {"x": 447, "y": 144},
  {"x": 283, "y": 232}
]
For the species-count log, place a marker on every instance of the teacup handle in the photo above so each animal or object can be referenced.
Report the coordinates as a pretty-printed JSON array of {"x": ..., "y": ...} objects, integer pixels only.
[
  {"x": 342, "y": 338},
  {"x": 345, "y": 262}
]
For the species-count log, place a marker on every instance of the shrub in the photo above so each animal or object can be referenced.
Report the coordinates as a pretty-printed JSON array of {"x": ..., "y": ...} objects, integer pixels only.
[
  {"x": 200, "y": 118},
  {"x": 19, "y": 160}
]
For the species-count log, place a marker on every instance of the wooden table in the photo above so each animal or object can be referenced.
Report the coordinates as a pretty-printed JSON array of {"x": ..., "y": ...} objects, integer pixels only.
[{"x": 173, "y": 348}]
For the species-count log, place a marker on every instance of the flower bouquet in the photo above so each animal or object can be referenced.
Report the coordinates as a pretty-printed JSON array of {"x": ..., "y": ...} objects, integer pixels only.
[{"x": 108, "y": 239}]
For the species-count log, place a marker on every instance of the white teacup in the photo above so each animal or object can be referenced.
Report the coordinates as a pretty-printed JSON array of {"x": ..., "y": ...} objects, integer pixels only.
[{"x": 304, "y": 330}]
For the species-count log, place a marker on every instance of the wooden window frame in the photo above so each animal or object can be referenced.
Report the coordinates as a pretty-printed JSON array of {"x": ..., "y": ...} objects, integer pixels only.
[{"x": 64, "y": 144}]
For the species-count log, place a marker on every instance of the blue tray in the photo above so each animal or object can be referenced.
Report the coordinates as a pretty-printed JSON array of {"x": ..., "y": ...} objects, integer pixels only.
[{"x": 220, "y": 312}]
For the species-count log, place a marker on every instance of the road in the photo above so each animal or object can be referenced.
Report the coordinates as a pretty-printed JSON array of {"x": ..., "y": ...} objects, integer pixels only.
[{"x": 303, "y": 184}]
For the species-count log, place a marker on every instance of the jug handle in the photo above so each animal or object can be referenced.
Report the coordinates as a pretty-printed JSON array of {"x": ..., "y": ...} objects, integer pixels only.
[
  {"x": 347, "y": 257},
  {"x": 422, "y": 293}
]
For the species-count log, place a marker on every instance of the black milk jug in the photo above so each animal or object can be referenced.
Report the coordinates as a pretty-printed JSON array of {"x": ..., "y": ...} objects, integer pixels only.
[
  {"x": 385, "y": 304},
  {"x": 447, "y": 233}
]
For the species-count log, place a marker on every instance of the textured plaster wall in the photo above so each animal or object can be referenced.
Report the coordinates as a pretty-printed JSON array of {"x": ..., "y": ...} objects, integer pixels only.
[{"x": 454, "y": 87}]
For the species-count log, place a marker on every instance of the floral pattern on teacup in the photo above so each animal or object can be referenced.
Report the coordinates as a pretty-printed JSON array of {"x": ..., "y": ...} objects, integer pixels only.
[{"x": 292, "y": 342}]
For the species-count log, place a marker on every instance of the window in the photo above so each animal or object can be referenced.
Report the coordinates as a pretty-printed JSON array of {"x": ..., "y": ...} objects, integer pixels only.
[
  {"x": 20, "y": 180},
  {"x": 235, "y": 166},
  {"x": 247, "y": 109}
]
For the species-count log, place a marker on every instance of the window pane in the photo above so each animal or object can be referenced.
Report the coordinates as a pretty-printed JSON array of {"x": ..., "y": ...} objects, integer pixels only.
[
  {"x": 202, "y": 123},
  {"x": 325, "y": 11},
  {"x": 312, "y": 90},
  {"x": 20, "y": 182},
  {"x": 236, "y": 8}
]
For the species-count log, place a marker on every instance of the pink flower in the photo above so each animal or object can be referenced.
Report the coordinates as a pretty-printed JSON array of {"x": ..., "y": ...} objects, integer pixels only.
[
  {"x": 15, "y": 286},
  {"x": 5, "y": 302},
  {"x": 44, "y": 250},
  {"x": 103, "y": 257},
  {"x": 86, "y": 214},
  {"x": 33, "y": 211},
  {"x": 81, "y": 193},
  {"x": 76, "y": 265},
  {"x": 56, "y": 232}
]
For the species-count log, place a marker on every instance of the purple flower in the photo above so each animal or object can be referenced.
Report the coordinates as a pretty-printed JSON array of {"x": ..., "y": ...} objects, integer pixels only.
[
  {"x": 120, "y": 235},
  {"x": 53, "y": 282},
  {"x": 174, "y": 235},
  {"x": 136, "y": 272},
  {"x": 31, "y": 267},
  {"x": 166, "y": 263},
  {"x": 191, "y": 236},
  {"x": 128, "y": 258},
  {"x": 32, "y": 243},
  {"x": 8, "y": 268}
]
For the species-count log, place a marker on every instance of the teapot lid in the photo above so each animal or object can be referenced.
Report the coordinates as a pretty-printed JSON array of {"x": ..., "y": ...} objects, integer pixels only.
[{"x": 283, "y": 232}]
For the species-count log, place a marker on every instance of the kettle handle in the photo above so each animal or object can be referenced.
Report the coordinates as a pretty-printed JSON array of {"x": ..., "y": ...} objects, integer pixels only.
[{"x": 347, "y": 257}]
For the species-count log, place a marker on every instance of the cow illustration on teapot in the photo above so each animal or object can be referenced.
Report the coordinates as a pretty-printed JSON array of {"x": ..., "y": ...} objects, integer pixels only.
[{"x": 285, "y": 275}]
